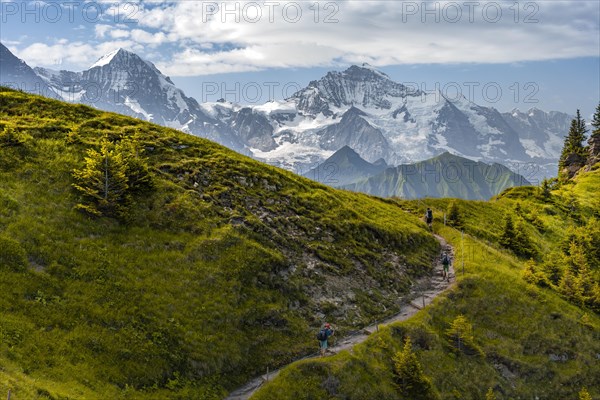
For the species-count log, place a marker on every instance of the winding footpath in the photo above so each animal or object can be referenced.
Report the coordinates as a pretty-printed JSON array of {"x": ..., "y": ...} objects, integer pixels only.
[{"x": 421, "y": 295}]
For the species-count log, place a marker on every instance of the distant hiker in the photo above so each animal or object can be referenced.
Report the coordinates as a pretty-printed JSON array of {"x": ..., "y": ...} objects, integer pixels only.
[
  {"x": 446, "y": 266},
  {"x": 429, "y": 217},
  {"x": 322, "y": 337}
]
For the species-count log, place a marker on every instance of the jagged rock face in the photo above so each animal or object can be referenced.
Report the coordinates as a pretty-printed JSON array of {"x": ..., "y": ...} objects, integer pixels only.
[
  {"x": 573, "y": 163},
  {"x": 594, "y": 149},
  {"x": 512, "y": 145},
  {"x": 16, "y": 74},
  {"x": 254, "y": 129},
  {"x": 354, "y": 131},
  {"x": 356, "y": 86},
  {"x": 541, "y": 131},
  {"x": 456, "y": 128}
]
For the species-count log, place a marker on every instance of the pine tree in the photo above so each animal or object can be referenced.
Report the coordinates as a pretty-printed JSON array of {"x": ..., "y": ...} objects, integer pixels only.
[
  {"x": 595, "y": 297},
  {"x": 460, "y": 331},
  {"x": 582, "y": 277},
  {"x": 567, "y": 284},
  {"x": 545, "y": 190},
  {"x": 552, "y": 266},
  {"x": 584, "y": 286},
  {"x": 522, "y": 244},
  {"x": 103, "y": 182},
  {"x": 574, "y": 154},
  {"x": 596, "y": 122},
  {"x": 410, "y": 379},
  {"x": 137, "y": 170},
  {"x": 585, "y": 395},
  {"x": 531, "y": 275},
  {"x": 454, "y": 218},
  {"x": 507, "y": 239},
  {"x": 577, "y": 259},
  {"x": 461, "y": 336},
  {"x": 594, "y": 141}
]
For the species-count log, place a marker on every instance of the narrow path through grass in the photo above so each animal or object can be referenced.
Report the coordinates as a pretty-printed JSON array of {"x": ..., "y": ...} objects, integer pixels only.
[{"x": 421, "y": 295}]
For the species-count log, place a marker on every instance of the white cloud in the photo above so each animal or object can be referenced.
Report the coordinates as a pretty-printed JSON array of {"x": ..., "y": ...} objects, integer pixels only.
[
  {"x": 55, "y": 55},
  {"x": 250, "y": 58},
  {"x": 100, "y": 30},
  {"x": 119, "y": 33},
  {"x": 380, "y": 32},
  {"x": 141, "y": 36},
  {"x": 196, "y": 38}
]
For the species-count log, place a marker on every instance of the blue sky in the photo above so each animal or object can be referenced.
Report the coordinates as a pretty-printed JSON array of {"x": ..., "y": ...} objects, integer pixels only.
[{"x": 505, "y": 54}]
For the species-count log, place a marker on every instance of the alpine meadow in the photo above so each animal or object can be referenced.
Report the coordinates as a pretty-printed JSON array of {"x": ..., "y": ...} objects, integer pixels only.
[
  {"x": 141, "y": 262},
  {"x": 299, "y": 200},
  {"x": 212, "y": 267}
]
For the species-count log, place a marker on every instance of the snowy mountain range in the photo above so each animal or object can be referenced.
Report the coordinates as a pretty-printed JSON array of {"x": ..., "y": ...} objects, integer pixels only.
[
  {"x": 360, "y": 107},
  {"x": 124, "y": 83}
]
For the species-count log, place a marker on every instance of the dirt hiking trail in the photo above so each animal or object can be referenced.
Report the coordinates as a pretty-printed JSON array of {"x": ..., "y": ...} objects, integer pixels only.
[{"x": 421, "y": 295}]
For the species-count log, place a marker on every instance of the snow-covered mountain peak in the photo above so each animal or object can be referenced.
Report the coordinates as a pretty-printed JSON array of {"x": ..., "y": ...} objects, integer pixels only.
[
  {"x": 359, "y": 107},
  {"x": 106, "y": 59},
  {"x": 124, "y": 59},
  {"x": 365, "y": 71},
  {"x": 361, "y": 86}
]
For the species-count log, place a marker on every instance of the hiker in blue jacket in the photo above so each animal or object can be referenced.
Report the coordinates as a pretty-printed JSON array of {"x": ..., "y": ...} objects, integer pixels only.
[{"x": 322, "y": 337}]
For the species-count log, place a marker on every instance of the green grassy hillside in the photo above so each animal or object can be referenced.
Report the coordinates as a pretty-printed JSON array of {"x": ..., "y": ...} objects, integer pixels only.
[
  {"x": 530, "y": 332},
  {"x": 223, "y": 267}
]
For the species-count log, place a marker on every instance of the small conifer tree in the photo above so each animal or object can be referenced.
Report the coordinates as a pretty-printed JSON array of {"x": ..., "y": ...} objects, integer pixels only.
[
  {"x": 585, "y": 395},
  {"x": 410, "y": 379},
  {"x": 507, "y": 239},
  {"x": 574, "y": 153},
  {"x": 490, "y": 395},
  {"x": 461, "y": 336},
  {"x": 545, "y": 190},
  {"x": 594, "y": 141},
  {"x": 454, "y": 217},
  {"x": 103, "y": 182}
]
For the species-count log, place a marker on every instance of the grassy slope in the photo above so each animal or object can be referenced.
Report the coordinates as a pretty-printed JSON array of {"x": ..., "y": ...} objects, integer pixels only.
[
  {"x": 226, "y": 268},
  {"x": 518, "y": 326}
]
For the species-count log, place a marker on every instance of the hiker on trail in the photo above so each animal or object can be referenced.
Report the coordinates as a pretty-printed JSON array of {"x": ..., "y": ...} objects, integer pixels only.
[
  {"x": 429, "y": 217},
  {"x": 322, "y": 337},
  {"x": 446, "y": 266}
]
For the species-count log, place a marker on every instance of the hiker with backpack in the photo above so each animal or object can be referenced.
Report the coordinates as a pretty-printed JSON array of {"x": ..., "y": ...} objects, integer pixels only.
[
  {"x": 429, "y": 217},
  {"x": 322, "y": 337},
  {"x": 446, "y": 266}
]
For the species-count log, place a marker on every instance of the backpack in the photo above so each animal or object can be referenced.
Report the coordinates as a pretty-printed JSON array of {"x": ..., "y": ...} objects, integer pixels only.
[
  {"x": 429, "y": 214},
  {"x": 322, "y": 335},
  {"x": 445, "y": 259}
]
